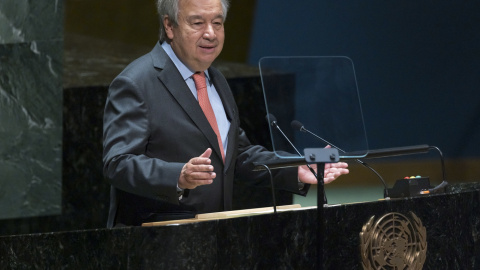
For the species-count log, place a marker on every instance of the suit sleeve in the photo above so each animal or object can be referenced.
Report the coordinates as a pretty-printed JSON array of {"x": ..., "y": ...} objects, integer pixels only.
[{"x": 125, "y": 139}]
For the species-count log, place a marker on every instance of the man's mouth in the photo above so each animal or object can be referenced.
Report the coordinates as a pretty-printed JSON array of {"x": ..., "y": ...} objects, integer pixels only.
[{"x": 208, "y": 48}]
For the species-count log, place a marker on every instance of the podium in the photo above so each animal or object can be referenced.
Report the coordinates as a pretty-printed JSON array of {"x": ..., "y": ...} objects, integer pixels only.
[{"x": 286, "y": 240}]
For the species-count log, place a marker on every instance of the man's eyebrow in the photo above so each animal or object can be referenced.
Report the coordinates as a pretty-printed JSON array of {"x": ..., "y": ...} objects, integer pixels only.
[
  {"x": 219, "y": 16},
  {"x": 194, "y": 17},
  {"x": 199, "y": 17}
]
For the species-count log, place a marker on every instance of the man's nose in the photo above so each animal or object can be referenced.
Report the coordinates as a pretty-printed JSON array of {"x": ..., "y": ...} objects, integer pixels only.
[{"x": 209, "y": 32}]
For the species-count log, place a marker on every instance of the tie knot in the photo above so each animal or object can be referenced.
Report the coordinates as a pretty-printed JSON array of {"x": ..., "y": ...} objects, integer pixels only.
[{"x": 199, "y": 79}]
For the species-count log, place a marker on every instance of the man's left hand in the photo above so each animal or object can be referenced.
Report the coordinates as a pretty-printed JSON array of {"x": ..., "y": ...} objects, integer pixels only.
[{"x": 332, "y": 172}]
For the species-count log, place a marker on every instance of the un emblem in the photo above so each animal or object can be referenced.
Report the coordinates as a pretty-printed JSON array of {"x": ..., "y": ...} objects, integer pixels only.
[{"x": 393, "y": 241}]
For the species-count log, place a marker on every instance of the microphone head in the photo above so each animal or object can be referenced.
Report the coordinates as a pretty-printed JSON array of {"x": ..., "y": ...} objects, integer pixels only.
[
  {"x": 271, "y": 119},
  {"x": 296, "y": 125}
]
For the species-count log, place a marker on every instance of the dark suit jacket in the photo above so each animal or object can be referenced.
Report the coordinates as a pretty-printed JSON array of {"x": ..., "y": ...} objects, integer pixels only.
[{"x": 152, "y": 126}]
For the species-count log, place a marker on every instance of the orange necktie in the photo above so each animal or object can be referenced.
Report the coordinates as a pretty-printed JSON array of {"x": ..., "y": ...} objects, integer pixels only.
[{"x": 201, "y": 85}]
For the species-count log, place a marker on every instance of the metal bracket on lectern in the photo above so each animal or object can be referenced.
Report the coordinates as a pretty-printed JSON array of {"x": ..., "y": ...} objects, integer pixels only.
[{"x": 321, "y": 155}]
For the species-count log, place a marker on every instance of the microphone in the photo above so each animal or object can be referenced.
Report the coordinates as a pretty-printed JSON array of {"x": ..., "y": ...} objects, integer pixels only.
[
  {"x": 297, "y": 125},
  {"x": 273, "y": 122}
]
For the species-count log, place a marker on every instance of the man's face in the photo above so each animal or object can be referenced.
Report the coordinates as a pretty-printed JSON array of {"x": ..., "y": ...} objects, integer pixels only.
[{"x": 198, "y": 38}]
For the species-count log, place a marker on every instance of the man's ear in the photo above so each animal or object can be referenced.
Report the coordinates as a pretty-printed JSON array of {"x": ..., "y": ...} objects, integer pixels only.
[{"x": 168, "y": 24}]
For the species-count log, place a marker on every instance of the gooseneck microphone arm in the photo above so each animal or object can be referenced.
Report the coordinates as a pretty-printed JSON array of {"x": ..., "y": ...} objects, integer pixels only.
[
  {"x": 273, "y": 122},
  {"x": 444, "y": 183},
  {"x": 297, "y": 125},
  {"x": 273, "y": 188}
]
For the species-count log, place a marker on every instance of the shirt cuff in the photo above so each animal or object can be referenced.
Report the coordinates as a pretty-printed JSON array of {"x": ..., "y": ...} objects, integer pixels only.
[
  {"x": 179, "y": 192},
  {"x": 301, "y": 185}
]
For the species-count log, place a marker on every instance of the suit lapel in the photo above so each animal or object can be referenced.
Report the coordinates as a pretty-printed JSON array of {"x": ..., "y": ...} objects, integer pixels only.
[{"x": 174, "y": 83}]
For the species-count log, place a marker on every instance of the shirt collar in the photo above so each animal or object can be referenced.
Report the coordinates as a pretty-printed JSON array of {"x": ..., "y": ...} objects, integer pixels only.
[{"x": 182, "y": 68}]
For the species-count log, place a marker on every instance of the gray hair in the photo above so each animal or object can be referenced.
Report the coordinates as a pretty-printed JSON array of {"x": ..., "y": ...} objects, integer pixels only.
[{"x": 170, "y": 8}]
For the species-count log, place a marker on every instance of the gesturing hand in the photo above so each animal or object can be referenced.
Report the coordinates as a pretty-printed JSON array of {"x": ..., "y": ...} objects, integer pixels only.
[
  {"x": 197, "y": 171},
  {"x": 332, "y": 172}
]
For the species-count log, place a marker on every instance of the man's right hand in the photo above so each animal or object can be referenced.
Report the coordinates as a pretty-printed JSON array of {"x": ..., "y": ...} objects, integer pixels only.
[{"x": 197, "y": 171}]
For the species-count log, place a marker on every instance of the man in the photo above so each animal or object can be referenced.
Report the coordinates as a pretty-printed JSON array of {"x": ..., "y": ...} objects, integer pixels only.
[{"x": 163, "y": 154}]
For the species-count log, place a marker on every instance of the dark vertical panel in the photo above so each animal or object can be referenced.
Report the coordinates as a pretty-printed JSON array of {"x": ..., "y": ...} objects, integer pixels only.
[{"x": 30, "y": 108}]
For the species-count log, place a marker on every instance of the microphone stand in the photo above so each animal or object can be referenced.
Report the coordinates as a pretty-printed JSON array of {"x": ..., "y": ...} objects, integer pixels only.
[
  {"x": 319, "y": 156},
  {"x": 320, "y": 214}
]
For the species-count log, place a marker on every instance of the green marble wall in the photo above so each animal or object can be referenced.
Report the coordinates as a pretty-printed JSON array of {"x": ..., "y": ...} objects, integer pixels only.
[{"x": 31, "y": 45}]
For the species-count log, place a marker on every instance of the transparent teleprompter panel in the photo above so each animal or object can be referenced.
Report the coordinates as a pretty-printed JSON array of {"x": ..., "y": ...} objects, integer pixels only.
[{"x": 315, "y": 103}]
